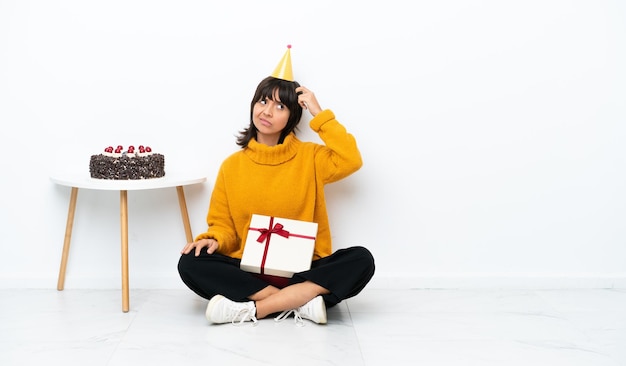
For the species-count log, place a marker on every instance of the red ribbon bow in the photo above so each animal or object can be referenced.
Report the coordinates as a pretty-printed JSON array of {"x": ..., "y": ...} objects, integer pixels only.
[{"x": 277, "y": 229}]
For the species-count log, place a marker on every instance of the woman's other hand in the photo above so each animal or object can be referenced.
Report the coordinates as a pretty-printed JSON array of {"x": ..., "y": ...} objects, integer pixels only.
[{"x": 307, "y": 100}]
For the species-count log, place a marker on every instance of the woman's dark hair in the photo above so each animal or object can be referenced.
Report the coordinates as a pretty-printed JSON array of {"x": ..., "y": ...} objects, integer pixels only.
[{"x": 287, "y": 93}]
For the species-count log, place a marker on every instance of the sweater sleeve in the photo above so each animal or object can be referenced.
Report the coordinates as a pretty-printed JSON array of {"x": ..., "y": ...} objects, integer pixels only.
[
  {"x": 339, "y": 156},
  {"x": 220, "y": 224}
]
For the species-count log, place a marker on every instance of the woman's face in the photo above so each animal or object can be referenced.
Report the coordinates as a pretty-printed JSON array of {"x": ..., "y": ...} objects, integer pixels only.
[{"x": 270, "y": 117}]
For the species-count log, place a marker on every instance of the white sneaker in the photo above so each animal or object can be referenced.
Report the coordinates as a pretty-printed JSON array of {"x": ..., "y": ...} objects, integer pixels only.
[
  {"x": 314, "y": 310},
  {"x": 223, "y": 310}
]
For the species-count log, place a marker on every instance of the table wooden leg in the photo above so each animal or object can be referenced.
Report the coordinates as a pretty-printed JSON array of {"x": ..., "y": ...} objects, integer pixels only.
[
  {"x": 184, "y": 213},
  {"x": 68, "y": 237},
  {"x": 124, "y": 225}
]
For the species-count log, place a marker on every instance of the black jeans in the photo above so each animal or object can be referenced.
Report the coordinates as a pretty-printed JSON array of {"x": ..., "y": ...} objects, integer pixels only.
[{"x": 344, "y": 273}]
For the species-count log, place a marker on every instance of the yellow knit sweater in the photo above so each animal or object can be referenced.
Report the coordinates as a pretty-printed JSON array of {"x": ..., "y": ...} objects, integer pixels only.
[{"x": 286, "y": 180}]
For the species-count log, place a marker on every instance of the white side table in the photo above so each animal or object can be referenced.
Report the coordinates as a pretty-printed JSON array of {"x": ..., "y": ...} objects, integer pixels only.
[{"x": 84, "y": 181}]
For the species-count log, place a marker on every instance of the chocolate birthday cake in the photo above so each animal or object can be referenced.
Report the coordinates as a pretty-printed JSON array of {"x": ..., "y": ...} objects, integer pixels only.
[{"x": 118, "y": 164}]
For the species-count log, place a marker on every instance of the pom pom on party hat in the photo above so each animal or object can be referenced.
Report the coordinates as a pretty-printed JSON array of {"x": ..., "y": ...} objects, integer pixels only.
[{"x": 283, "y": 69}]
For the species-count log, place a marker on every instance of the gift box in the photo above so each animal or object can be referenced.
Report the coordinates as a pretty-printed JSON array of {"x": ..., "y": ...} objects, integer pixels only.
[{"x": 277, "y": 246}]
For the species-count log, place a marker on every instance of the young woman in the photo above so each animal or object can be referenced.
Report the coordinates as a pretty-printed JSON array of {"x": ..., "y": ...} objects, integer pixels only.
[{"x": 276, "y": 174}]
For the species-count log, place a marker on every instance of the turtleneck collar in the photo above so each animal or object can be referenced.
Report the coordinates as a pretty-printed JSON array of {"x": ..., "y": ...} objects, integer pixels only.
[{"x": 273, "y": 155}]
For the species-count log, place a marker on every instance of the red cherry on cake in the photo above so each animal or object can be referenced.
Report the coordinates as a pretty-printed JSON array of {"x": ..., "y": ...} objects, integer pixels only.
[
  {"x": 148, "y": 149},
  {"x": 131, "y": 149},
  {"x": 109, "y": 149},
  {"x": 142, "y": 149}
]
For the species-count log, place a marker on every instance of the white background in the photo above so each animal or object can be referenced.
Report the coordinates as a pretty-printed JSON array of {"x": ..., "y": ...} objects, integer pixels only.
[{"x": 493, "y": 132}]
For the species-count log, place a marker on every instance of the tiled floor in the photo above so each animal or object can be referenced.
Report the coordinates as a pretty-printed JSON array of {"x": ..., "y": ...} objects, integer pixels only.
[{"x": 378, "y": 327}]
